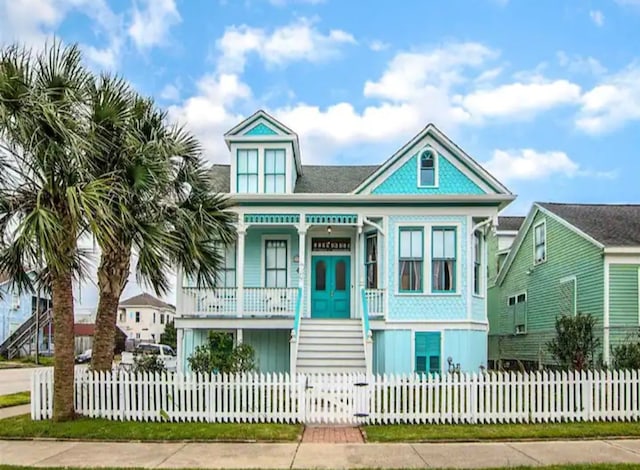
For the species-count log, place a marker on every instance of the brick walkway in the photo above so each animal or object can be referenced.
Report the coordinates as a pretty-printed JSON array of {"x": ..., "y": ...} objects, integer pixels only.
[{"x": 332, "y": 435}]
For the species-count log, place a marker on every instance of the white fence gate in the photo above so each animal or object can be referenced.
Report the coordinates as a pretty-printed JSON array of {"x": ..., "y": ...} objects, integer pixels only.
[{"x": 349, "y": 398}]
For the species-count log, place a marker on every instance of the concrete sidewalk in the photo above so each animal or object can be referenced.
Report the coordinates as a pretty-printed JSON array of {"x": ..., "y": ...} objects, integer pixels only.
[{"x": 294, "y": 455}]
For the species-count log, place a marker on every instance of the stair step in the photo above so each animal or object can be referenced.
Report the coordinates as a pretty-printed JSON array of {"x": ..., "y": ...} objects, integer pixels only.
[
  {"x": 321, "y": 348},
  {"x": 331, "y": 362},
  {"x": 332, "y": 328},
  {"x": 328, "y": 340},
  {"x": 330, "y": 334},
  {"x": 346, "y": 355},
  {"x": 332, "y": 370}
]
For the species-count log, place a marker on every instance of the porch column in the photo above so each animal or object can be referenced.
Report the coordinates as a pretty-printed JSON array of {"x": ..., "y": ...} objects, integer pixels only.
[
  {"x": 302, "y": 246},
  {"x": 362, "y": 274},
  {"x": 179, "y": 293},
  {"x": 242, "y": 231}
]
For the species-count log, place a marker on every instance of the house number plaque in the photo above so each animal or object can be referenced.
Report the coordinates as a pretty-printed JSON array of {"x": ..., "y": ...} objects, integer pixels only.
[{"x": 331, "y": 244}]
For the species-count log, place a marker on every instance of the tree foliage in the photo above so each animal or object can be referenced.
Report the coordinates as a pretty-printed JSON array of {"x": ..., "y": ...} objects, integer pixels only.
[
  {"x": 170, "y": 335},
  {"x": 150, "y": 363},
  {"x": 219, "y": 355},
  {"x": 575, "y": 343}
]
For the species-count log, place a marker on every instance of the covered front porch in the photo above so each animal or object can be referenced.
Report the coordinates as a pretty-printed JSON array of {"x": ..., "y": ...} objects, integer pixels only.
[{"x": 297, "y": 265}]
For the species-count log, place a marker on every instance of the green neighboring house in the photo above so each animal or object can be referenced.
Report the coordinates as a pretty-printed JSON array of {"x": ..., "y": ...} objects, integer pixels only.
[{"x": 566, "y": 258}]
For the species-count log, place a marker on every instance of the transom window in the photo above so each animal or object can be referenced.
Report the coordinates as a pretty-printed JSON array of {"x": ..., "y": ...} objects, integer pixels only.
[
  {"x": 411, "y": 259},
  {"x": 371, "y": 262},
  {"x": 275, "y": 263},
  {"x": 227, "y": 272},
  {"x": 274, "y": 171},
  {"x": 443, "y": 260},
  {"x": 477, "y": 262},
  {"x": 540, "y": 243},
  {"x": 427, "y": 167},
  {"x": 247, "y": 171}
]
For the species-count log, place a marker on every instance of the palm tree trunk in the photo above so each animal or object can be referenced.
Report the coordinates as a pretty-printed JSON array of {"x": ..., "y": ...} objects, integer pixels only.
[
  {"x": 112, "y": 277},
  {"x": 63, "y": 379}
]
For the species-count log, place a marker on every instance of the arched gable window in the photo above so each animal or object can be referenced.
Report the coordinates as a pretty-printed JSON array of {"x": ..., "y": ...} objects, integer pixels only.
[{"x": 427, "y": 167}]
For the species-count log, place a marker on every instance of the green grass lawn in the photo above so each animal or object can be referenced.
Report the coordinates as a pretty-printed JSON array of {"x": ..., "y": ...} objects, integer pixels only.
[
  {"x": 25, "y": 362},
  {"x": 481, "y": 432},
  {"x": 102, "y": 429},
  {"x": 15, "y": 399}
]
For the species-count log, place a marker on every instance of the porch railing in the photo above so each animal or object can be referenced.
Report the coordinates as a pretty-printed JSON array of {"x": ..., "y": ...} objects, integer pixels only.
[
  {"x": 224, "y": 301},
  {"x": 375, "y": 302}
]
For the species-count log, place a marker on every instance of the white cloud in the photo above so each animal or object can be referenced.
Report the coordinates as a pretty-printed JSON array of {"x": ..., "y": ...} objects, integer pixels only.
[
  {"x": 412, "y": 73},
  {"x": 377, "y": 45},
  {"x": 597, "y": 17},
  {"x": 298, "y": 41},
  {"x": 519, "y": 100},
  {"x": 282, "y": 3},
  {"x": 170, "y": 92},
  {"x": 529, "y": 164},
  {"x": 579, "y": 64},
  {"x": 612, "y": 103},
  {"x": 150, "y": 26}
]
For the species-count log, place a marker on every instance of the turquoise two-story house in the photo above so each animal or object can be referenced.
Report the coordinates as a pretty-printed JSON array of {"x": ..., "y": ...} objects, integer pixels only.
[{"x": 377, "y": 268}]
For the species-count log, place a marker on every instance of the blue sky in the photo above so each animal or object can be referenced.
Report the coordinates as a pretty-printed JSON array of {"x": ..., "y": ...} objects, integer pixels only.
[{"x": 546, "y": 94}]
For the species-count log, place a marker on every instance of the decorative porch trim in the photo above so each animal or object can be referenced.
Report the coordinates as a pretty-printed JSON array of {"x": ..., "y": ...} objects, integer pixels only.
[
  {"x": 332, "y": 219},
  {"x": 271, "y": 219}
]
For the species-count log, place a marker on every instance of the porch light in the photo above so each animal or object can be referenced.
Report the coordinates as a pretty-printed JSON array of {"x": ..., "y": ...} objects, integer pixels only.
[{"x": 329, "y": 229}]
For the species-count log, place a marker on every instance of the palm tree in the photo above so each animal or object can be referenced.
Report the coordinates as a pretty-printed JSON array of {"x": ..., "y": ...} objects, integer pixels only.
[
  {"x": 168, "y": 213},
  {"x": 48, "y": 195}
]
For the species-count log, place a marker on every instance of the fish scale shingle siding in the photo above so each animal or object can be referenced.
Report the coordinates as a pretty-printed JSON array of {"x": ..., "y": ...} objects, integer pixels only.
[{"x": 568, "y": 254}]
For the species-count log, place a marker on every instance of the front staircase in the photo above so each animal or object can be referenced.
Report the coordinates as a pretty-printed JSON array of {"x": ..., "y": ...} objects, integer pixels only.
[{"x": 330, "y": 346}]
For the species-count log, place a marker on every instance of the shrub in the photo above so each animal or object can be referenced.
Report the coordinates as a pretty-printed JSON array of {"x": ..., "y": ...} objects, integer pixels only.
[
  {"x": 627, "y": 355},
  {"x": 220, "y": 355},
  {"x": 170, "y": 335},
  {"x": 149, "y": 363},
  {"x": 575, "y": 344}
]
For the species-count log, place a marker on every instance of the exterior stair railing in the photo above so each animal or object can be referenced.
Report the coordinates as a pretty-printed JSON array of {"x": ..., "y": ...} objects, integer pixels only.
[
  {"x": 295, "y": 333},
  {"x": 11, "y": 346},
  {"x": 367, "y": 334}
]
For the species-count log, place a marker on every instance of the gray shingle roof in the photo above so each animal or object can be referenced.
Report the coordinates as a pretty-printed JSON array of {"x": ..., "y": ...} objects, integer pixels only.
[
  {"x": 314, "y": 179},
  {"x": 610, "y": 224},
  {"x": 144, "y": 300},
  {"x": 510, "y": 222}
]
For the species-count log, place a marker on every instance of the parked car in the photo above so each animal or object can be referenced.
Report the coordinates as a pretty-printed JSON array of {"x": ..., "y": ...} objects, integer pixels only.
[
  {"x": 84, "y": 357},
  {"x": 166, "y": 354}
]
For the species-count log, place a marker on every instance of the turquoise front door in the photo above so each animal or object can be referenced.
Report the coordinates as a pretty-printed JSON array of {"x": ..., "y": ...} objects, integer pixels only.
[{"x": 330, "y": 286}]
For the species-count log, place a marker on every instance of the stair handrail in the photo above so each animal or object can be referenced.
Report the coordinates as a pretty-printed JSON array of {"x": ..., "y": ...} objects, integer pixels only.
[
  {"x": 367, "y": 334},
  {"x": 24, "y": 331},
  {"x": 295, "y": 332}
]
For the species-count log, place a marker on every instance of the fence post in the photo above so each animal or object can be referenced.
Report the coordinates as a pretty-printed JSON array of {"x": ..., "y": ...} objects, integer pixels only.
[
  {"x": 587, "y": 395},
  {"x": 301, "y": 398}
]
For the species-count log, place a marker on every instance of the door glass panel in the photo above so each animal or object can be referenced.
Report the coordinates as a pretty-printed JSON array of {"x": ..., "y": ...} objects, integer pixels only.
[
  {"x": 341, "y": 275},
  {"x": 321, "y": 276}
]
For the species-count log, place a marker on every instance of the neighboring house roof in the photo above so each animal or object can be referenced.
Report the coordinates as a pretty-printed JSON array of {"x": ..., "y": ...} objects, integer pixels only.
[
  {"x": 314, "y": 178},
  {"x": 510, "y": 223},
  {"x": 609, "y": 224},
  {"x": 145, "y": 300},
  {"x": 604, "y": 225},
  {"x": 84, "y": 329}
]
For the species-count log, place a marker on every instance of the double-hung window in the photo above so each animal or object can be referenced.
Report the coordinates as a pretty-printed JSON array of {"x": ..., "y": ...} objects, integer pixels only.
[
  {"x": 443, "y": 259},
  {"x": 540, "y": 243},
  {"x": 274, "y": 171},
  {"x": 411, "y": 259},
  {"x": 371, "y": 262},
  {"x": 427, "y": 167},
  {"x": 247, "y": 175},
  {"x": 477, "y": 262},
  {"x": 275, "y": 274},
  {"x": 518, "y": 311},
  {"x": 227, "y": 272}
]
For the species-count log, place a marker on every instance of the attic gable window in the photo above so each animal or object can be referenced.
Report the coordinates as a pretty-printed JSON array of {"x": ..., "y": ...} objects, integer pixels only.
[
  {"x": 275, "y": 171},
  {"x": 427, "y": 167},
  {"x": 540, "y": 243},
  {"x": 247, "y": 171}
]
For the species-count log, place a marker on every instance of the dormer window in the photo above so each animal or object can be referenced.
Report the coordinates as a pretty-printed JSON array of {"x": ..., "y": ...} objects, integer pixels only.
[
  {"x": 247, "y": 170},
  {"x": 275, "y": 170},
  {"x": 427, "y": 167}
]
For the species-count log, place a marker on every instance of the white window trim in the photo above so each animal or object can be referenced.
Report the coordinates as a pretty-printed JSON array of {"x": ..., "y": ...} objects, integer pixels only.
[
  {"x": 573, "y": 279},
  {"x": 427, "y": 290},
  {"x": 260, "y": 163},
  {"x": 546, "y": 243},
  {"x": 526, "y": 318},
  {"x": 436, "y": 159},
  {"x": 481, "y": 285},
  {"x": 376, "y": 235},
  {"x": 264, "y": 170},
  {"x": 263, "y": 240}
]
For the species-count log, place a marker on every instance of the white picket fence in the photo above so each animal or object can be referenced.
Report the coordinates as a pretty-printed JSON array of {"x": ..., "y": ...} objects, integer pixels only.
[{"x": 350, "y": 398}]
